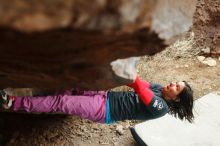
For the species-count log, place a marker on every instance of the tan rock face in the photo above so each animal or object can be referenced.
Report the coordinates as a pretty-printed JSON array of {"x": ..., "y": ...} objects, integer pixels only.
[
  {"x": 71, "y": 43},
  {"x": 167, "y": 17},
  {"x": 171, "y": 17},
  {"x": 35, "y": 15}
]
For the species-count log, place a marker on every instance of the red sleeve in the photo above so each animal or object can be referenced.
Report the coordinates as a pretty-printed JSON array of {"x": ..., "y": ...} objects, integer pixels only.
[
  {"x": 142, "y": 89},
  {"x": 145, "y": 84}
]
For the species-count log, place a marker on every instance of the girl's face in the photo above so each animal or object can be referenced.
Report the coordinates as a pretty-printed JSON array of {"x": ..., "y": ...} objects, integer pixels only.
[{"x": 172, "y": 90}]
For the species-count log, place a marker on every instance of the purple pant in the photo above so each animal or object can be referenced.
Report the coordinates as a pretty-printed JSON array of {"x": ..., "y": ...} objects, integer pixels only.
[{"x": 89, "y": 105}]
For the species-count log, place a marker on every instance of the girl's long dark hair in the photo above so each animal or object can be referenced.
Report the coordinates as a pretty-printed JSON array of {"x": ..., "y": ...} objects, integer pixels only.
[{"x": 183, "y": 109}]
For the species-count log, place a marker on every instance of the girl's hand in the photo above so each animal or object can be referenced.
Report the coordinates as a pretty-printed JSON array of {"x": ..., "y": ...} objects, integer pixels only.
[{"x": 126, "y": 68}]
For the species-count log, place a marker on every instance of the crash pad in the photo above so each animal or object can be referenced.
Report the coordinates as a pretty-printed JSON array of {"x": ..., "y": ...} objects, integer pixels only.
[{"x": 170, "y": 131}]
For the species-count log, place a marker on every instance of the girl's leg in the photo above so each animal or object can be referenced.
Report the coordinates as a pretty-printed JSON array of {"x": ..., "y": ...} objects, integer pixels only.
[{"x": 88, "y": 107}]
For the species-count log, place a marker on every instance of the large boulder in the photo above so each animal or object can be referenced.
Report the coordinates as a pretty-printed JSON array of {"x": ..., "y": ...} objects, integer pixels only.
[
  {"x": 71, "y": 43},
  {"x": 65, "y": 58},
  {"x": 166, "y": 17}
]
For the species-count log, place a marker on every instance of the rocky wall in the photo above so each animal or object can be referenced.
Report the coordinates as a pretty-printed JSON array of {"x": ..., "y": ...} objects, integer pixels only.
[{"x": 71, "y": 43}]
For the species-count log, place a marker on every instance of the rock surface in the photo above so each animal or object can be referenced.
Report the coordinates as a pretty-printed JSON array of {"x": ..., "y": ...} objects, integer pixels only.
[
  {"x": 67, "y": 58},
  {"x": 65, "y": 44},
  {"x": 166, "y": 17}
]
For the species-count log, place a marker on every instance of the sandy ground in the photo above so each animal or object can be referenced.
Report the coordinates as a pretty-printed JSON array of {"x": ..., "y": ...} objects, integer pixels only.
[{"x": 177, "y": 62}]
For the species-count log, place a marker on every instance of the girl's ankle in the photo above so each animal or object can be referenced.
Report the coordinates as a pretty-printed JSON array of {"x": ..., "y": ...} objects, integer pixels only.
[{"x": 6, "y": 101}]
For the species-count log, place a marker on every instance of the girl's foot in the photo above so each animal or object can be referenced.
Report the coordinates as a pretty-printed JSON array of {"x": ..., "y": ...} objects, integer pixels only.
[{"x": 6, "y": 101}]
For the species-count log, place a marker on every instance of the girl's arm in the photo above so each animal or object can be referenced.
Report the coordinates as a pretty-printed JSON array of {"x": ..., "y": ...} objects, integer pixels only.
[{"x": 142, "y": 89}]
